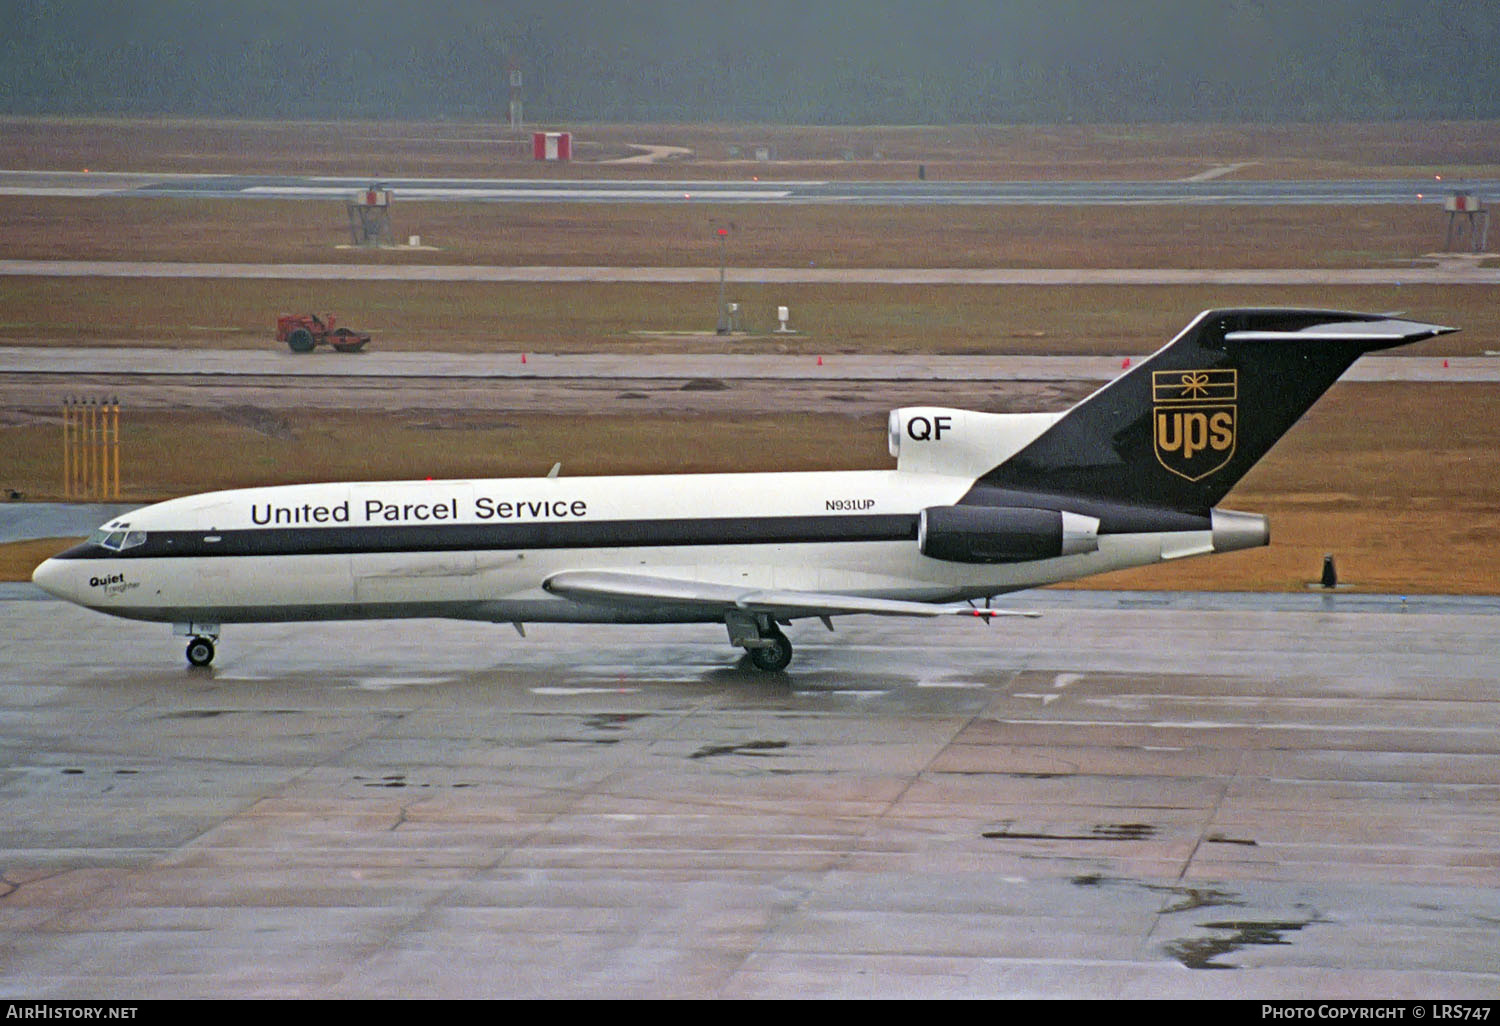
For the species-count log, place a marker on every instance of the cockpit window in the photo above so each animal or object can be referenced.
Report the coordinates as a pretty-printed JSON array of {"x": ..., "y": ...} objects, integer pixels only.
[{"x": 117, "y": 541}]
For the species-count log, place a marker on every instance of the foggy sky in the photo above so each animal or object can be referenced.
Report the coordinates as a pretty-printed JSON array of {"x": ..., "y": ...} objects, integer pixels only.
[{"x": 809, "y": 62}]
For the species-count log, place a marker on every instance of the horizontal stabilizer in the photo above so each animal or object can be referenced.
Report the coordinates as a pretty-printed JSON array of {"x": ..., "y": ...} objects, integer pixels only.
[
  {"x": 614, "y": 588},
  {"x": 1376, "y": 334}
]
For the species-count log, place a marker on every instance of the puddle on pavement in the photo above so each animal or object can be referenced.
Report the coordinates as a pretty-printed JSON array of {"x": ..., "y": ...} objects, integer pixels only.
[
  {"x": 758, "y": 749},
  {"x": 1232, "y": 934},
  {"x": 604, "y": 723},
  {"x": 1221, "y": 839},
  {"x": 1099, "y": 832},
  {"x": 209, "y": 714},
  {"x": 398, "y": 781},
  {"x": 1189, "y": 898},
  {"x": 1204, "y": 952},
  {"x": 612, "y": 721}
]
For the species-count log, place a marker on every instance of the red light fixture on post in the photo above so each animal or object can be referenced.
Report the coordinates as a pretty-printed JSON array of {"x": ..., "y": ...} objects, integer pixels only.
[{"x": 723, "y": 327}]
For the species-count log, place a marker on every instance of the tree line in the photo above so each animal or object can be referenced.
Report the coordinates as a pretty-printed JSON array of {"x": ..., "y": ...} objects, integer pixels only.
[{"x": 779, "y": 61}]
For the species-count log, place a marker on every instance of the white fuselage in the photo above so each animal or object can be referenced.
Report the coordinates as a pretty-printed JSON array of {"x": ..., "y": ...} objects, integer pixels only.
[{"x": 481, "y": 549}]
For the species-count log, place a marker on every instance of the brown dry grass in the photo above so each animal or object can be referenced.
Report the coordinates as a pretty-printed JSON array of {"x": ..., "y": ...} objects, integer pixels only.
[
  {"x": 1405, "y": 506},
  {"x": 590, "y": 317},
  {"x": 1397, "y": 481},
  {"x": 763, "y": 235},
  {"x": 569, "y": 318},
  {"x": 18, "y": 559},
  {"x": 486, "y": 149},
  {"x": 386, "y": 445}
]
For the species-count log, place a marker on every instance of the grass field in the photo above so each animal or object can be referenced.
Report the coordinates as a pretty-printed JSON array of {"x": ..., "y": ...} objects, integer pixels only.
[
  {"x": 1398, "y": 481},
  {"x": 567, "y": 318},
  {"x": 488, "y": 149},
  {"x": 570, "y": 318},
  {"x": 762, "y": 235}
]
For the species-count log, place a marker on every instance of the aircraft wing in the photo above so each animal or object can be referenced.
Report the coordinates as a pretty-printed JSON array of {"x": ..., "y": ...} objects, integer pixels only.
[{"x": 624, "y": 589}]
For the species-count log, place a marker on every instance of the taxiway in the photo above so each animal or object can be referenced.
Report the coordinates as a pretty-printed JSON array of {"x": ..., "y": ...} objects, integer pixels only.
[
  {"x": 36, "y": 379},
  {"x": 1139, "y": 795},
  {"x": 123, "y": 362},
  {"x": 1448, "y": 271},
  {"x": 1199, "y": 190}
]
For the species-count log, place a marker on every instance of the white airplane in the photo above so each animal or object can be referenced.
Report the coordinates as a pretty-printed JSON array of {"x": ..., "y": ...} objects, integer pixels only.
[{"x": 979, "y": 504}]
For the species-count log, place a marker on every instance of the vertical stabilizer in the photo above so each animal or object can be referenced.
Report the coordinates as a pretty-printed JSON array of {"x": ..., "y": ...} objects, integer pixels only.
[{"x": 1181, "y": 428}]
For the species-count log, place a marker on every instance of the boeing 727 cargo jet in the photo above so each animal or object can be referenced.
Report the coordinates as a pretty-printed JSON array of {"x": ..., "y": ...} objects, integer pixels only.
[{"x": 979, "y": 504}]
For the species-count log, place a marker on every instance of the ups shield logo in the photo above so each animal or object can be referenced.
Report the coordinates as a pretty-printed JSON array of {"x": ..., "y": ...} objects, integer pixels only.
[{"x": 1193, "y": 416}]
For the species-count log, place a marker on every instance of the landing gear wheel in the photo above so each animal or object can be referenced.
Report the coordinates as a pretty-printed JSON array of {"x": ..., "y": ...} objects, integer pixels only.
[
  {"x": 200, "y": 652},
  {"x": 775, "y": 657}
]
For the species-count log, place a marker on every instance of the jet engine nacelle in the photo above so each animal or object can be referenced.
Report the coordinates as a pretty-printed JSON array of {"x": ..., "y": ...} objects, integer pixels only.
[
  {"x": 1003, "y": 534},
  {"x": 938, "y": 440}
]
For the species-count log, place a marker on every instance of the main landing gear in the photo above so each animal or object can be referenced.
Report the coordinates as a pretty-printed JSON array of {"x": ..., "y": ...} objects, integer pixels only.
[
  {"x": 200, "y": 650},
  {"x": 760, "y": 636}
]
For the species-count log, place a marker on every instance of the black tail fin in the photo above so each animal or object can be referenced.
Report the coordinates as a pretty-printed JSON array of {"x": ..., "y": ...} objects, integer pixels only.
[{"x": 1181, "y": 428}]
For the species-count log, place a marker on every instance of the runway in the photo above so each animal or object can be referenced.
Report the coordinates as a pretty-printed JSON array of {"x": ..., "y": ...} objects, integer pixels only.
[
  {"x": 277, "y": 360},
  {"x": 1139, "y": 795},
  {"x": 1449, "y": 271},
  {"x": 1214, "y": 191}
]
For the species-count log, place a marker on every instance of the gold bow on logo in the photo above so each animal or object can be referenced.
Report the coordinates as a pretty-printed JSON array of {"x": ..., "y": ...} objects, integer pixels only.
[{"x": 1195, "y": 384}]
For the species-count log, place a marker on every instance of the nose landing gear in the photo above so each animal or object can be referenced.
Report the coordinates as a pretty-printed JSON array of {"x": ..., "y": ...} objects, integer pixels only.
[{"x": 200, "y": 650}]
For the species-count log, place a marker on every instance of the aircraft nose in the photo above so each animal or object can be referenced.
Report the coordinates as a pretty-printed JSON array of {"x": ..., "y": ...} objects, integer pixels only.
[{"x": 52, "y": 577}]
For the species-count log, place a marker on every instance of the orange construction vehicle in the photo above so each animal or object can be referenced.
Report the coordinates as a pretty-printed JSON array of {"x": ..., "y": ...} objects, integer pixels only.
[{"x": 305, "y": 332}]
